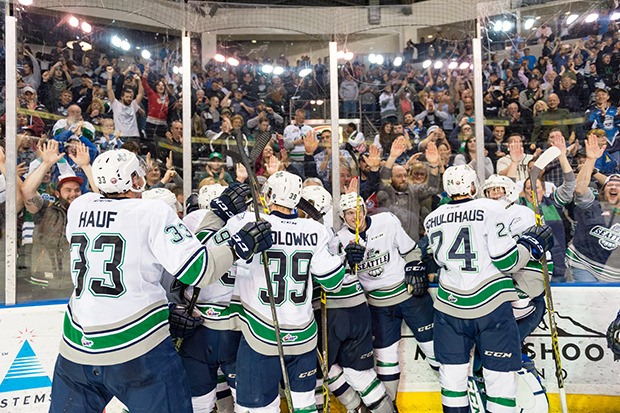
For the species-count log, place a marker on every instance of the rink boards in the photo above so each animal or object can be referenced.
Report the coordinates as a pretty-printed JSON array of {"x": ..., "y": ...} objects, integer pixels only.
[{"x": 31, "y": 334}]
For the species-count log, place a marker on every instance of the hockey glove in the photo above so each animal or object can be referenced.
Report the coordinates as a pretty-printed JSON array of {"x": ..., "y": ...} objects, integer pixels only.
[
  {"x": 231, "y": 202},
  {"x": 182, "y": 324},
  {"x": 537, "y": 240},
  {"x": 355, "y": 254},
  {"x": 613, "y": 337},
  {"x": 415, "y": 278},
  {"x": 254, "y": 237}
]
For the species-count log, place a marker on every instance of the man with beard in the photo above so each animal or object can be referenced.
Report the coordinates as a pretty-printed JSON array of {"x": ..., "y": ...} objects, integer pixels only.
[
  {"x": 50, "y": 253},
  {"x": 126, "y": 108},
  {"x": 592, "y": 256}
]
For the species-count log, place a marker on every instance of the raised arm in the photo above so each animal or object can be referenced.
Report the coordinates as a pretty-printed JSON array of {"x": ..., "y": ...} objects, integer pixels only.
[
  {"x": 110, "y": 71},
  {"x": 49, "y": 157}
]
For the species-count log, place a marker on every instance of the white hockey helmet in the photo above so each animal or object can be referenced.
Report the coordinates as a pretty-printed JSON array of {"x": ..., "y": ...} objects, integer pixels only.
[
  {"x": 457, "y": 180},
  {"x": 163, "y": 194},
  {"x": 495, "y": 181},
  {"x": 282, "y": 188},
  {"x": 319, "y": 197},
  {"x": 113, "y": 171},
  {"x": 208, "y": 193},
  {"x": 350, "y": 201}
]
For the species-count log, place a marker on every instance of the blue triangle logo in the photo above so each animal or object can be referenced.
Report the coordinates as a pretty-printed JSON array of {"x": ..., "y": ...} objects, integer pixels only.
[{"x": 26, "y": 372}]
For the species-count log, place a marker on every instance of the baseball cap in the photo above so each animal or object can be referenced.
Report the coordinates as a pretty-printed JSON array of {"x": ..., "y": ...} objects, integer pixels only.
[
  {"x": 63, "y": 179},
  {"x": 225, "y": 110},
  {"x": 28, "y": 89},
  {"x": 27, "y": 128},
  {"x": 612, "y": 177},
  {"x": 601, "y": 89},
  {"x": 215, "y": 155},
  {"x": 432, "y": 129},
  {"x": 570, "y": 75}
]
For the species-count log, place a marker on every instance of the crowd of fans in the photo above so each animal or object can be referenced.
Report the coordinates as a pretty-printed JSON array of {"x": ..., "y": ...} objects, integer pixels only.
[{"x": 78, "y": 108}]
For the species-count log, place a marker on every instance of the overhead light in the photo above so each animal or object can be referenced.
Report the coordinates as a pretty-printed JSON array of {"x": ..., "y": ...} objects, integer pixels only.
[
  {"x": 253, "y": 41},
  {"x": 453, "y": 65},
  {"x": 528, "y": 24},
  {"x": 74, "y": 21},
  {"x": 615, "y": 15},
  {"x": 175, "y": 70},
  {"x": 319, "y": 102},
  {"x": 145, "y": 54},
  {"x": 372, "y": 58},
  {"x": 125, "y": 45},
  {"x": 398, "y": 61},
  {"x": 305, "y": 72},
  {"x": 348, "y": 56},
  {"x": 427, "y": 63},
  {"x": 70, "y": 44},
  {"x": 219, "y": 58},
  {"x": 506, "y": 25},
  {"x": 26, "y": 2},
  {"x": 463, "y": 65},
  {"x": 380, "y": 59},
  {"x": 591, "y": 17},
  {"x": 438, "y": 64},
  {"x": 430, "y": 36},
  {"x": 278, "y": 70},
  {"x": 267, "y": 69},
  {"x": 497, "y": 26},
  {"x": 537, "y": 17},
  {"x": 232, "y": 61},
  {"x": 570, "y": 19},
  {"x": 116, "y": 41},
  {"x": 340, "y": 54},
  {"x": 86, "y": 27}
]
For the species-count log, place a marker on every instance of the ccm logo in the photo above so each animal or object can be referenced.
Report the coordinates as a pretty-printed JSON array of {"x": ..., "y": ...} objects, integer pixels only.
[
  {"x": 426, "y": 328},
  {"x": 307, "y": 374},
  {"x": 365, "y": 356},
  {"x": 498, "y": 354}
]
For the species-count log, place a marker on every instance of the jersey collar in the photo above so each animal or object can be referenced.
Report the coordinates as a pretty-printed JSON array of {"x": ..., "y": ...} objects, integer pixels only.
[{"x": 283, "y": 215}]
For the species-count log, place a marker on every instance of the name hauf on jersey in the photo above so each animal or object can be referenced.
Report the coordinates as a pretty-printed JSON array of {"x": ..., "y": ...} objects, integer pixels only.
[
  {"x": 98, "y": 219},
  {"x": 293, "y": 238},
  {"x": 455, "y": 216}
]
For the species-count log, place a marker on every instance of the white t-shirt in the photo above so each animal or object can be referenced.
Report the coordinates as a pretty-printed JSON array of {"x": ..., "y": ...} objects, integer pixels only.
[{"x": 125, "y": 118}]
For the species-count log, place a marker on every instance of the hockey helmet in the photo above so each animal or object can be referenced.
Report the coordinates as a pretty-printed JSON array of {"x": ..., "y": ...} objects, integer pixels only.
[
  {"x": 282, "y": 188},
  {"x": 162, "y": 194},
  {"x": 113, "y": 171},
  {"x": 458, "y": 180},
  {"x": 208, "y": 193},
  {"x": 495, "y": 181},
  {"x": 319, "y": 197},
  {"x": 350, "y": 201}
]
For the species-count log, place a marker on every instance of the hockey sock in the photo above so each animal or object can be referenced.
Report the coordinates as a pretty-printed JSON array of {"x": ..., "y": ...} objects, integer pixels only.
[
  {"x": 388, "y": 369},
  {"x": 429, "y": 352},
  {"x": 204, "y": 403},
  {"x": 366, "y": 384},
  {"x": 501, "y": 389},
  {"x": 340, "y": 388},
  {"x": 453, "y": 381}
]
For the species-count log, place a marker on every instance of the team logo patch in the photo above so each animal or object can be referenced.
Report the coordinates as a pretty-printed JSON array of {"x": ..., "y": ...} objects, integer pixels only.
[
  {"x": 608, "y": 238},
  {"x": 289, "y": 337},
  {"x": 86, "y": 342},
  {"x": 452, "y": 299},
  {"x": 211, "y": 312},
  {"x": 375, "y": 261}
]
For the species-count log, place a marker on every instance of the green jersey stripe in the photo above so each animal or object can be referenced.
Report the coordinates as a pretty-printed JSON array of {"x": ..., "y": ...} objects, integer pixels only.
[
  {"x": 193, "y": 271},
  {"x": 502, "y": 401},
  {"x": 506, "y": 261},
  {"x": 483, "y": 295},
  {"x": 266, "y": 333},
  {"x": 331, "y": 282},
  {"x": 349, "y": 290},
  {"x": 383, "y": 294},
  {"x": 107, "y": 341},
  {"x": 452, "y": 393}
]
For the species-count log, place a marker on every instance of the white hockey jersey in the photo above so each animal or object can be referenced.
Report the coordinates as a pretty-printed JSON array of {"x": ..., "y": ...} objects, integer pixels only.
[
  {"x": 291, "y": 133},
  {"x": 382, "y": 272},
  {"x": 471, "y": 240},
  {"x": 119, "y": 251},
  {"x": 299, "y": 254}
]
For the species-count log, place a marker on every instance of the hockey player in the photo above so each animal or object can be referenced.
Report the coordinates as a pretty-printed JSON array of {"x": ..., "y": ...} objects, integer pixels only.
[
  {"x": 115, "y": 335},
  {"x": 470, "y": 240},
  {"x": 385, "y": 257},
  {"x": 205, "y": 195},
  {"x": 349, "y": 337},
  {"x": 530, "y": 308},
  {"x": 299, "y": 255}
]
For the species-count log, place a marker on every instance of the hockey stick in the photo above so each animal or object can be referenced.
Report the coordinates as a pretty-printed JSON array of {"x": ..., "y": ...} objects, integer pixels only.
[
  {"x": 545, "y": 158},
  {"x": 474, "y": 392},
  {"x": 272, "y": 303},
  {"x": 190, "y": 310}
]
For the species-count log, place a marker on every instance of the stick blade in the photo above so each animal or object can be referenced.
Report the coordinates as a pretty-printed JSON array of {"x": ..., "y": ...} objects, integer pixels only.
[{"x": 543, "y": 160}]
